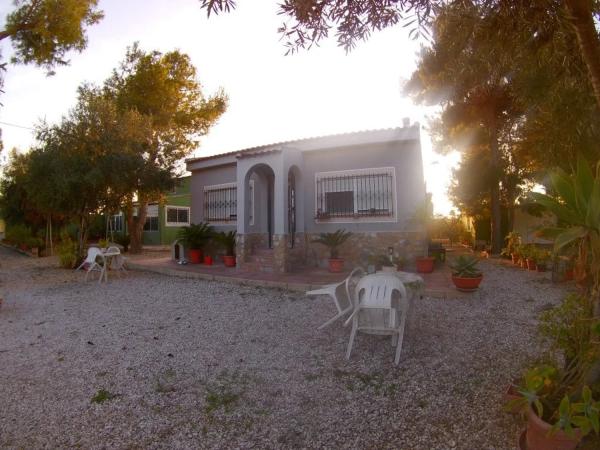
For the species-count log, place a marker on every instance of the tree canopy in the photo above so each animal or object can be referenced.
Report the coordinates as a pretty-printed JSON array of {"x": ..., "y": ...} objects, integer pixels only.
[
  {"x": 43, "y": 31},
  {"x": 163, "y": 88}
]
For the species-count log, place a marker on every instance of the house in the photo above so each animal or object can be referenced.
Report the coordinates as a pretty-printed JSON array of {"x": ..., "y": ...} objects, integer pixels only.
[
  {"x": 164, "y": 218},
  {"x": 280, "y": 196}
]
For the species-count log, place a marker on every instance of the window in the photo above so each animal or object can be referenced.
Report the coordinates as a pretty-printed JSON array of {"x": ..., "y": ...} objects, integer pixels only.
[
  {"x": 177, "y": 216},
  {"x": 220, "y": 203},
  {"x": 251, "y": 202},
  {"x": 355, "y": 194},
  {"x": 151, "y": 223},
  {"x": 116, "y": 222}
]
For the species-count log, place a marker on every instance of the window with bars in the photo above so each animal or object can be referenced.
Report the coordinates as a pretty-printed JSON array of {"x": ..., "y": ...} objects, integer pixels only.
[
  {"x": 177, "y": 216},
  {"x": 355, "y": 194},
  {"x": 220, "y": 203}
]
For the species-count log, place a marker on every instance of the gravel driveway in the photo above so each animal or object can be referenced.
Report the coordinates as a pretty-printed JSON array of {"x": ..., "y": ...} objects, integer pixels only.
[{"x": 148, "y": 361}]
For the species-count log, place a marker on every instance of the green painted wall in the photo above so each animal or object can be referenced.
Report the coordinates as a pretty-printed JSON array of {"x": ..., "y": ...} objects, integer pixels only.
[{"x": 165, "y": 235}]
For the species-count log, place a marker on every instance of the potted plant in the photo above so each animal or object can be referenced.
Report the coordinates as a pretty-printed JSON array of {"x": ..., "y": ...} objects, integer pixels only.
[
  {"x": 555, "y": 422},
  {"x": 423, "y": 216},
  {"x": 227, "y": 240},
  {"x": 399, "y": 262},
  {"x": 195, "y": 237},
  {"x": 382, "y": 262},
  {"x": 513, "y": 242},
  {"x": 465, "y": 275},
  {"x": 542, "y": 260},
  {"x": 532, "y": 258},
  {"x": 333, "y": 241}
]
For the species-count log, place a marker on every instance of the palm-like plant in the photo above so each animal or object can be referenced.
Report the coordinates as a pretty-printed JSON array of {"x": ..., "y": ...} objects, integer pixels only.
[
  {"x": 333, "y": 241},
  {"x": 196, "y": 235},
  {"x": 227, "y": 240},
  {"x": 576, "y": 206}
]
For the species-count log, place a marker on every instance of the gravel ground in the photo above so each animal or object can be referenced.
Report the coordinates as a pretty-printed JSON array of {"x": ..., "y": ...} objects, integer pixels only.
[{"x": 177, "y": 363}]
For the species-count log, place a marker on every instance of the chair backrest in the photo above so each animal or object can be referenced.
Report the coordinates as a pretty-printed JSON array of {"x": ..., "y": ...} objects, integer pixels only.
[
  {"x": 91, "y": 254},
  {"x": 352, "y": 283},
  {"x": 376, "y": 290},
  {"x": 113, "y": 249}
]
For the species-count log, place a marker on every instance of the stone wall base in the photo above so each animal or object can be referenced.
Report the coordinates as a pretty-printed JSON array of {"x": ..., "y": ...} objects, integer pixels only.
[{"x": 306, "y": 254}]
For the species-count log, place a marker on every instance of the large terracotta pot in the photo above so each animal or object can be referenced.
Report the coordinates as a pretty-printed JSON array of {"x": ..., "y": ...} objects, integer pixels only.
[
  {"x": 336, "y": 265},
  {"x": 540, "y": 438},
  {"x": 515, "y": 259},
  {"x": 195, "y": 256},
  {"x": 208, "y": 260},
  {"x": 531, "y": 264},
  {"x": 466, "y": 284},
  {"x": 425, "y": 265},
  {"x": 229, "y": 261}
]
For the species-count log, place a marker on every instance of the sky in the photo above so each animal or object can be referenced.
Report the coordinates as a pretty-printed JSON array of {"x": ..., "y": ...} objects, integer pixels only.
[{"x": 272, "y": 97}]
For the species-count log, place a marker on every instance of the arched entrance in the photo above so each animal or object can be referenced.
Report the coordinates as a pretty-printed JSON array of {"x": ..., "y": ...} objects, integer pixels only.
[{"x": 259, "y": 211}]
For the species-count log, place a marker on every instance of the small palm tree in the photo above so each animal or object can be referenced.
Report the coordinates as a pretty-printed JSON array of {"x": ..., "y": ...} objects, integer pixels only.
[
  {"x": 333, "y": 241},
  {"x": 196, "y": 235},
  {"x": 227, "y": 240}
]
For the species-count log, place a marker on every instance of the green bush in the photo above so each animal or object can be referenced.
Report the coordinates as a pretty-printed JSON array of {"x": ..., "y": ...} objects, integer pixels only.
[
  {"x": 67, "y": 251},
  {"x": 123, "y": 240},
  {"x": 19, "y": 234}
]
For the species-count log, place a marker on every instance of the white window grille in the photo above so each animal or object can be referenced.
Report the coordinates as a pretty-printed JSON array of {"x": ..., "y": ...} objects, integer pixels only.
[
  {"x": 116, "y": 223},
  {"x": 355, "y": 194},
  {"x": 220, "y": 203}
]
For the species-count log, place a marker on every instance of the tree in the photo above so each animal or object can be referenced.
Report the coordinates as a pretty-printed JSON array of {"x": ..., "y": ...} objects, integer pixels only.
[
  {"x": 43, "y": 31},
  {"x": 85, "y": 163},
  {"x": 312, "y": 20},
  {"x": 164, "y": 90}
]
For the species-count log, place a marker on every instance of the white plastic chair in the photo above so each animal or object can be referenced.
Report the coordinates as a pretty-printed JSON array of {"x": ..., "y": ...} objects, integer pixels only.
[
  {"x": 91, "y": 264},
  {"x": 335, "y": 291},
  {"x": 376, "y": 312}
]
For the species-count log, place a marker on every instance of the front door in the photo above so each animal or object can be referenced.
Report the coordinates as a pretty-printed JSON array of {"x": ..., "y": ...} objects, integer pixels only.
[{"x": 270, "y": 211}]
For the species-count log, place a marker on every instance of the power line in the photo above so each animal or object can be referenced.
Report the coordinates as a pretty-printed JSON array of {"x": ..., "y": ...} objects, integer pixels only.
[{"x": 17, "y": 126}]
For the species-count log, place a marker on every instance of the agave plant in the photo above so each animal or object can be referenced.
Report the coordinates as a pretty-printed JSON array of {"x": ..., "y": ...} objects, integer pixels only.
[
  {"x": 576, "y": 206},
  {"x": 333, "y": 241},
  {"x": 465, "y": 266}
]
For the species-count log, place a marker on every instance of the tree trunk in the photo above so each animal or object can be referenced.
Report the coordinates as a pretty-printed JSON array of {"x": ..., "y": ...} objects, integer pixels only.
[
  {"x": 136, "y": 227},
  {"x": 580, "y": 12},
  {"x": 496, "y": 211}
]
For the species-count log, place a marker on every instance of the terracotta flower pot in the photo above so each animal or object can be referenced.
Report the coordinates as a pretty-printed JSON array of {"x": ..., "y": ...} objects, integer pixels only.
[
  {"x": 208, "y": 260},
  {"x": 466, "y": 284},
  {"x": 569, "y": 275},
  {"x": 511, "y": 394},
  {"x": 336, "y": 265},
  {"x": 523, "y": 263},
  {"x": 530, "y": 264},
  {"x": 229, "y": 261},
  {"x": 515, "y": 258},
  {"x": 425, "y": 265},
  {"x": 195, "y": 256},
  {"x": 540, "y": 438}
]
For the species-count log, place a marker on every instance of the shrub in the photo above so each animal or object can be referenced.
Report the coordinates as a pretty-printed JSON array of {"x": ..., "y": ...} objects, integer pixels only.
[
  {"x": 19, "y": 234},
  {"x": 123, "y": 240},
  {"x": 67, "y": 251}
]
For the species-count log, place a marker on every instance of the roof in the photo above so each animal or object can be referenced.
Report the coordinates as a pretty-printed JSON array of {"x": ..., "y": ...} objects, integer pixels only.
[{"x": 391, "y": 134}]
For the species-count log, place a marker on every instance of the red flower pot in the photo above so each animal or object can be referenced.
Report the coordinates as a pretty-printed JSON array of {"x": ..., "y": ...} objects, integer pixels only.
[
  {"x": 466, "y": 284},
  {"x": 425, "y": 265},
  {"x": 515, "y": 258},
  {"x": 531, "y": 264},
  {"x": 540, "y": 438},
  {"x": 336, "y": 265},
  {"x": 208, "y": 260},
  {"x": 195, "y": 256},
  {"x": 229, "y": 261}
]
